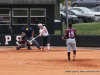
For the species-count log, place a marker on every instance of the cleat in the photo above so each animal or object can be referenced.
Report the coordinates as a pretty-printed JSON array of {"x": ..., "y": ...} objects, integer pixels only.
[
  {"x": 39, "y": 48},
  {"x": 17, "y": 48},
  {"x": 47, "y": 50},
  {"x": 30, "y": 48},
  {"x": 69, "y": 60},
  {"x": 42, "y": 48},
  {"x": 74, "y": 57}
]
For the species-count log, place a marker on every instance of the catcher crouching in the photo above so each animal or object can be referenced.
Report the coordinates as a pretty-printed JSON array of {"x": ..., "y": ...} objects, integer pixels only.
[{"x": 23, "y": 42}]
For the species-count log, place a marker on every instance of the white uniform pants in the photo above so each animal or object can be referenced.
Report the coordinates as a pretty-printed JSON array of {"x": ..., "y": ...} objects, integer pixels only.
[{"x": 70, "y": 43}]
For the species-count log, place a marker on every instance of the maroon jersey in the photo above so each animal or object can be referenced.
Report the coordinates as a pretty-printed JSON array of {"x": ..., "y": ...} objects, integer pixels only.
[
  {"x": 71, "y": 32},
  {"x": 22, "y": 42}
]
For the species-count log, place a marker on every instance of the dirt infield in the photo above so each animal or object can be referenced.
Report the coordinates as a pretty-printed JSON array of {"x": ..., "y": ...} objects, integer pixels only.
[{"x": 54, "y": 62}]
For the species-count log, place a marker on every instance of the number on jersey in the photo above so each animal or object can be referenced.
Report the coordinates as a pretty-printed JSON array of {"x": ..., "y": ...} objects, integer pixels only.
[
  {"x": 71, "y": 34},
  {"x": 45, "y": 31}
]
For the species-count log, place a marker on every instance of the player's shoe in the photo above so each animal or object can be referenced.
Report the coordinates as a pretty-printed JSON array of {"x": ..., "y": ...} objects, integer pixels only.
[
  {"x": 47, "y": 50},
  {"x": 42, "y": 48},
  {"x": 17, "y": 48},
  {"x": 39, "y": 48},
  {"x": 74, "y": 56},
  {"x": 69, "y": 60},
  {"x": 30, "y": 48}
]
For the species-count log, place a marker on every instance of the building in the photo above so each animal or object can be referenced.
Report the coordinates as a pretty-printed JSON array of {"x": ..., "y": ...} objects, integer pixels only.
[{"x": 14, "y": 14}]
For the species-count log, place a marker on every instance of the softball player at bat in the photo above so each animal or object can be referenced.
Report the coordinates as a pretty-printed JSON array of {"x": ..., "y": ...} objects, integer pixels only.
[
  {"x": 22, "y": 43},
  {"x": 46, "y": 39},
  {"x": 70, "y": 33}
]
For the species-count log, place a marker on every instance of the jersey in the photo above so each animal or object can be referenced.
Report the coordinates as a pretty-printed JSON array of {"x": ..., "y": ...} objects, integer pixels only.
[
  {"x": 71, "y": 32},
  {"x": 24, "y": 38},
  {"x": 28, "y": 31},
  {"x": 45, "y": 33}
]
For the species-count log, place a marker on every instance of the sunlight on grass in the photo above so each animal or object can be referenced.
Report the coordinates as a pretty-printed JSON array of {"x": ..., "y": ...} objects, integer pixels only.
[{"x": 85, "y": 28}]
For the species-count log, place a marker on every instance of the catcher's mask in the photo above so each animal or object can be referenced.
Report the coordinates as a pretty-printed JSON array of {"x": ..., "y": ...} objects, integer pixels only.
[
  {"x": 23, "y": 34},
  {"x": 26, "y": 26}
]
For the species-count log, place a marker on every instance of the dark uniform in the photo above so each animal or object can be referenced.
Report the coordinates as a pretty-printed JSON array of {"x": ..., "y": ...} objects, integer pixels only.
[
  {"x": 23, "y": 42},
  {"x": 28, "y": 31}
]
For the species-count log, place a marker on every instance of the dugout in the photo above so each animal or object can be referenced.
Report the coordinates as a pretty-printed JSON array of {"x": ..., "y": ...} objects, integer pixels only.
[{"x": 14, "y": 14}]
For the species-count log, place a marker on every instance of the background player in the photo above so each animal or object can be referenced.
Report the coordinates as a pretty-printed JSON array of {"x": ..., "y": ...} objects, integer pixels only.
[
  {"x": 46, "y": 39},
  {"x": 30, "y": 33},
  {"x": 70, "y": 33},
  {"x": 23, "y": 42}
]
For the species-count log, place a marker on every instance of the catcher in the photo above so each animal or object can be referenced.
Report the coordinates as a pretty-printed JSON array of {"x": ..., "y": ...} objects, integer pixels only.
[{"x": 22, "y": 43}]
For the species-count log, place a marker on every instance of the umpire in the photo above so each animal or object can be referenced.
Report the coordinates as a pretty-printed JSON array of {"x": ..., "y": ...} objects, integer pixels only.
[{"x": 30, "y": 33}]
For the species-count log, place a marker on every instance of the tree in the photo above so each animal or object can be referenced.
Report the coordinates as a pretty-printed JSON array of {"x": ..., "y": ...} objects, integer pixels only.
[{"x": 57, "y": 9}]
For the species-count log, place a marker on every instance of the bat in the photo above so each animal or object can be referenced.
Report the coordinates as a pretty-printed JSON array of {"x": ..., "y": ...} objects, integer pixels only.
[{"x": 34, "y": 38}]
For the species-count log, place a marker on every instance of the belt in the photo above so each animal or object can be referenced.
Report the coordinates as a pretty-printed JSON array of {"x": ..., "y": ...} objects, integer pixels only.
[
  {"x": 45, "y": 35},
  {"x": 71, "y": 38}
]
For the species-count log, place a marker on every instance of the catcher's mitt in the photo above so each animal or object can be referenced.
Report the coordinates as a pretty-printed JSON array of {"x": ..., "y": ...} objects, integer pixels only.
[{"x": 63, "y": 38}]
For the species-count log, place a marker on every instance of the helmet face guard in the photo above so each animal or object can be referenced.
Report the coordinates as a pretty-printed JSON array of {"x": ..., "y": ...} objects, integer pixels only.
[
  {"x": 23, "y": 34},
  {"x": 26, "y": 25}
]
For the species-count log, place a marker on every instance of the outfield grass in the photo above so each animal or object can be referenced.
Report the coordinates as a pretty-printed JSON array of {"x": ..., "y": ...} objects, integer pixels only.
[
  {"x": 62, "y": 2},
  {"x": 84, "y": 28}
]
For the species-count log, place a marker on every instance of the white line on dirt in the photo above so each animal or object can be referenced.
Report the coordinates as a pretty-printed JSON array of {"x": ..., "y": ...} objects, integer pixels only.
[{"x": 25, "y": 64}]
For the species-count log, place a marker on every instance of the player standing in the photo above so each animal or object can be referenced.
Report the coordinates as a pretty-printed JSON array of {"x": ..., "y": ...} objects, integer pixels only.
[
  {"x": 70, "y": 33},
  {"x": 46, "y": 39}
]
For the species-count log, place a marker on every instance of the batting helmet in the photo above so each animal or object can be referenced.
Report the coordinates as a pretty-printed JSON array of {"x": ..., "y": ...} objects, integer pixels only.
[{"x": 40, "y": 24}]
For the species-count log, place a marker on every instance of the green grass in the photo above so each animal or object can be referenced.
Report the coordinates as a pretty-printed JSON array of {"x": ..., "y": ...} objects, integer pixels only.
[
  {"x": 57, "y": 32},
  {"x": 84, "y": 28},
  {"x": 62, "y": 2}
]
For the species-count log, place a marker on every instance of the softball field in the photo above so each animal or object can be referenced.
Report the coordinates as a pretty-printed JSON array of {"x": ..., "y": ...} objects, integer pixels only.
[{"x": 54, "y": 62}]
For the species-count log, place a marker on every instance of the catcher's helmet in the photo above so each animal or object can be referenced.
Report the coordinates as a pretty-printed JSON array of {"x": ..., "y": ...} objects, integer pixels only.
[{"x": 23, "y": 34}]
